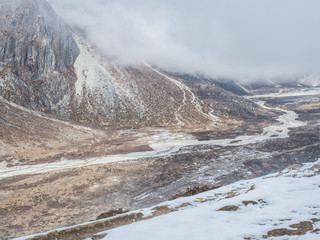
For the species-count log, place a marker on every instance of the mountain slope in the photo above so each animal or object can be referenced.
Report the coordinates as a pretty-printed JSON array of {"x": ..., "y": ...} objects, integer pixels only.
[
  {"x": 131, "y": 96},
  {"x": 283, "y": 205},
  {"x": 46, "y": 66}
]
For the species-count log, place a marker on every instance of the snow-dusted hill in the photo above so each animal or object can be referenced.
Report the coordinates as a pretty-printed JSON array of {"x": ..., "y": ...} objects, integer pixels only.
[{"x": 283, "y": 205}]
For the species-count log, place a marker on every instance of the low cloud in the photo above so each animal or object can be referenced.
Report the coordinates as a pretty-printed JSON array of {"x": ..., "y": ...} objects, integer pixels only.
[{"x": 246, "y": 39}]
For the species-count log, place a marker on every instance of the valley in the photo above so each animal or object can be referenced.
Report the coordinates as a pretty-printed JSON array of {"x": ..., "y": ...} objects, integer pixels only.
[
  {"x": 95, "y": 135},
  {"x": 67, "y": 191}
]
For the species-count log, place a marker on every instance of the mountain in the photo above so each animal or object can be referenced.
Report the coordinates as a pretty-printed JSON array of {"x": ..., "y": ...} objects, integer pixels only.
[
  {"x": 84, "y": 138},
  {"x": 49, "y": 73},
  {"x": 47, "y": 66},
  {"x": 37, "y": 56}
]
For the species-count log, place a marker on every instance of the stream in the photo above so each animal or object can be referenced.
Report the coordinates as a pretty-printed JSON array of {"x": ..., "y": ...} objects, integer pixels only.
[{"x": 164, "y": 146}]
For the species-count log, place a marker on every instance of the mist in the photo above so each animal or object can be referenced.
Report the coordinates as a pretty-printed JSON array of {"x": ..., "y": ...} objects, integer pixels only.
[{"x": 245, "y": 40}]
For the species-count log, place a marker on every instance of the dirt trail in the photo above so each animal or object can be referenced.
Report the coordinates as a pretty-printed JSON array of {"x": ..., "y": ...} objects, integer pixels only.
[
  {"x": 183, "y": 90},
  {"x": 186, "y": 90}
]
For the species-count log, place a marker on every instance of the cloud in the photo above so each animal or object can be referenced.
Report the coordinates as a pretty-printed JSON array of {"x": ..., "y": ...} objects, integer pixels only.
[{"x": 246, "y": 39}]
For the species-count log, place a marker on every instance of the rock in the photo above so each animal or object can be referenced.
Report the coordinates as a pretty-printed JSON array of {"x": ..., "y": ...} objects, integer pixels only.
[
  {"x": 37, "y": 56},
  {"x": 111, "y": 213},
  {"x": 193, "y": 191},
  {"x": 161, "y": 210},
  {"x": 99, "y": 236},
  {"x": 301, "y": 229},
  {"x": 246, "y": 203},
  {"x": 229, "y": 208}
]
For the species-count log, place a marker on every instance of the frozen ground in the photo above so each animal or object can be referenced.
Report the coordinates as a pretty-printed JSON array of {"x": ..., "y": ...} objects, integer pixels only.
[{"x": 273, "y": 202}]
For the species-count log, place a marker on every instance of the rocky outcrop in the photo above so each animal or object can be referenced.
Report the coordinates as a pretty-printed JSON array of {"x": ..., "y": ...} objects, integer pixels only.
[{"x": 37, "y": 56}]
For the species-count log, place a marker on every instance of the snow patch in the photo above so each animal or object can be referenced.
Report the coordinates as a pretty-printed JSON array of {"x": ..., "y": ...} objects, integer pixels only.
[
  {"x": 107, "y": 84},
  {"x": 2, "y": 82},
  {"x": 91, "y": 75}
]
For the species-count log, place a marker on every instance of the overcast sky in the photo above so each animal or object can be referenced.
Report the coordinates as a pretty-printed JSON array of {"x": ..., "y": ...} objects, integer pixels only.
[{"x": 245, "y": 39}]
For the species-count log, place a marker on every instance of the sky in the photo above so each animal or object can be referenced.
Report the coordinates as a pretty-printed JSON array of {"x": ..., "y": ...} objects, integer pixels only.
[{"x": 247, "y": 39}]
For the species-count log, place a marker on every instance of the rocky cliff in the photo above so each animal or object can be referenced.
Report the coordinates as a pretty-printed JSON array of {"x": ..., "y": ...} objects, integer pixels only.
[{"x": 37, "y": 56}]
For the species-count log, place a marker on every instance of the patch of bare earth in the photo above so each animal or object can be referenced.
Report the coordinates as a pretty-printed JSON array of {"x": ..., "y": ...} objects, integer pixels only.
[{"x": 300, "y": 228}]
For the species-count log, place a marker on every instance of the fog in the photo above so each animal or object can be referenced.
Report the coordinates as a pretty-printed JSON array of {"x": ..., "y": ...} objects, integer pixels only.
[{"x": 247, "y": 39}]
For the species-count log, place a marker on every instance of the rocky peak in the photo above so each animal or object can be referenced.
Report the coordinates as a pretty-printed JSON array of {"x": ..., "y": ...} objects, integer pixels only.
[
  {"x": 37, "y": 54},
  {"x": 45, "y": 41}
]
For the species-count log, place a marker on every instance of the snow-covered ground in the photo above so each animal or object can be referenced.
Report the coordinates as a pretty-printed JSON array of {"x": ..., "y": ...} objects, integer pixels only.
[
  {"x": 248, "y": 209},
  {"x": 277, "y": 201}
]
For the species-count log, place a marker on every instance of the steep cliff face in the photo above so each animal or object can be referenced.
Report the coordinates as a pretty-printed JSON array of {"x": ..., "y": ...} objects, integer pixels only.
[{"x": 37, "y": 56}]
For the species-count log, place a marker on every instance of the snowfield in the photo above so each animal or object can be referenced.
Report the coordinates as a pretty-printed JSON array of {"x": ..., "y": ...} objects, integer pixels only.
[{"x": 258, "y": 207}]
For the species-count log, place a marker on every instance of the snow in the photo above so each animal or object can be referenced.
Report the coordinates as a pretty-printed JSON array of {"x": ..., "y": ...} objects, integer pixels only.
[
  {"x": 96, "y": 77},
  {"x": 312, "y": 81},
  {"x": 297, "y": 93},
  {"x": 2, "y": 82},
  {"x": 286, "y": 198},
  {"x": 91, "y": 74},
  {"x": 62, "y": 105}
]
